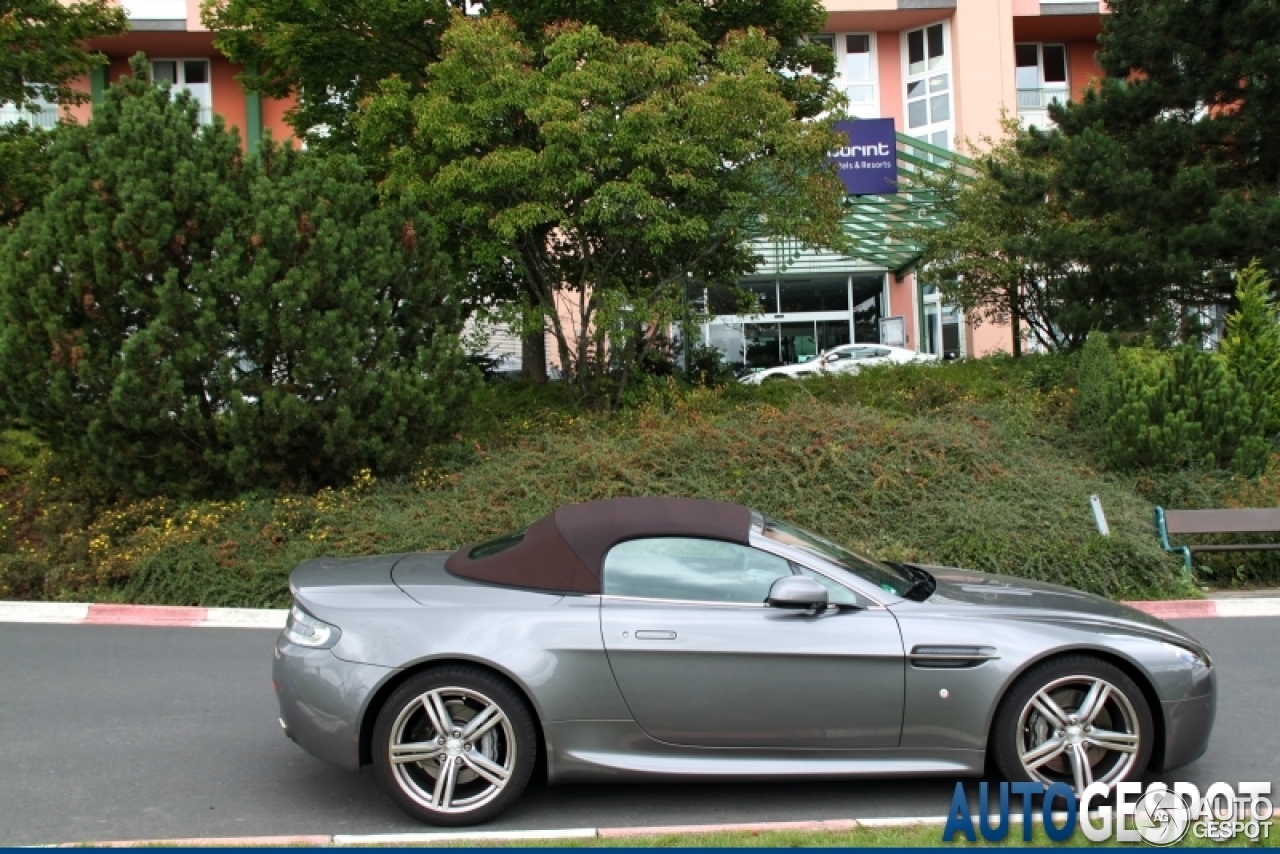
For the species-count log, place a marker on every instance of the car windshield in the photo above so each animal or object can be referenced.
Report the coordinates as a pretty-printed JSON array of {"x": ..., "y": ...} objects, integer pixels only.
[{"x": 884, "y": 577}]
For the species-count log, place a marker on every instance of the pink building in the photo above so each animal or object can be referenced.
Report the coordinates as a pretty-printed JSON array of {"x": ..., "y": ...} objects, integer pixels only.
[
  {"x": 181, "y": 52},
  {"x": 944, "y": 71}
]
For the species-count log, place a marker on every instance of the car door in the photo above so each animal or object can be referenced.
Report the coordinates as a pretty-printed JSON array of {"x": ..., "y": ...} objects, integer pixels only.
[{"x": 701, "y": 660}]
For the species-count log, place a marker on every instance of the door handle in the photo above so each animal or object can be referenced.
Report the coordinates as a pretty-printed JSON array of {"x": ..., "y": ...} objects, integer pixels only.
[{"x": 651, "y": 634}]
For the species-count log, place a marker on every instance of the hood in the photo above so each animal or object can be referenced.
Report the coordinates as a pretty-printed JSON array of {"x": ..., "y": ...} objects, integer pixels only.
[{"x": 1024, "y": 598}]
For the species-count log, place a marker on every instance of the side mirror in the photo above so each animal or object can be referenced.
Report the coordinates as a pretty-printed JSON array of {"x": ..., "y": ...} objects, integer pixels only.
[{"x": 797, "y": 592}]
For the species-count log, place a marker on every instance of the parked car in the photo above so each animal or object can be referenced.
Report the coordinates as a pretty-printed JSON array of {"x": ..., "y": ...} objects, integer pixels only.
[
  {"x": 848, "y": 358},
  {"x": 672, "y": 639}
]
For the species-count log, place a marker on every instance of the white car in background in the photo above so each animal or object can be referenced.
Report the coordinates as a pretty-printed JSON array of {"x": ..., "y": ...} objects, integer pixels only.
[{"x": 847, "y": 359}]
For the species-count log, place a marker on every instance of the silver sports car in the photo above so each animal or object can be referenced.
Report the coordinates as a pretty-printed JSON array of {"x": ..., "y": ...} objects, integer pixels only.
[{"x": 668, "y": 638}]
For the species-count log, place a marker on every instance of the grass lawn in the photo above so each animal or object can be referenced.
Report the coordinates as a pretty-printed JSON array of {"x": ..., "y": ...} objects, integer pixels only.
[{"x": 861, "y": 837}]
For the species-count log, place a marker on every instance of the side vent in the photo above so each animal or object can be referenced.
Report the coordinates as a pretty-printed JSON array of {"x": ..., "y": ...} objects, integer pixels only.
[{"x": 951, "y": 657}]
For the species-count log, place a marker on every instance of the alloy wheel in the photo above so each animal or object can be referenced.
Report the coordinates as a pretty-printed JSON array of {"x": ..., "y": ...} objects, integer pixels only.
[
  {"x": 1078, "y": 730},
  {"x": 452, "y": 750}
]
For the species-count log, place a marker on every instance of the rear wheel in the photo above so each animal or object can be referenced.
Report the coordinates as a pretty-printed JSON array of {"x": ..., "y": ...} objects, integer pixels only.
[
  {"x": 1077, "y": 720},
  {"x": 454, "y": 745}
]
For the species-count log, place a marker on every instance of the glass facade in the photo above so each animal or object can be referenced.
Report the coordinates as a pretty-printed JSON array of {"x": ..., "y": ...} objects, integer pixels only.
[{"x": 799, "y": 317}]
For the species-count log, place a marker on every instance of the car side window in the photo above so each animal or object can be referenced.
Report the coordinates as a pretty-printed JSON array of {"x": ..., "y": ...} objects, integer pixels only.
[{"x": 691, "y": 570}]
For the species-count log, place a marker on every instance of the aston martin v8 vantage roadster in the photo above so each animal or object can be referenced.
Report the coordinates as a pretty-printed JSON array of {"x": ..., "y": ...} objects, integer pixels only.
[{"x": 677, "y": 639}]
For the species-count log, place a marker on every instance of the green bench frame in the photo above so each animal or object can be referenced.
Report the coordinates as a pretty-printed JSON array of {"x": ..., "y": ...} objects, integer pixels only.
[{"x": 1184, "y": 522}]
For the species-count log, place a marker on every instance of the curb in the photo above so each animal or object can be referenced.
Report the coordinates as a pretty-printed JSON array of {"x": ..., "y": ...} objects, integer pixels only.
[
  {"x": 433, "y": 837},
  {"x": 79, "y": 613}
]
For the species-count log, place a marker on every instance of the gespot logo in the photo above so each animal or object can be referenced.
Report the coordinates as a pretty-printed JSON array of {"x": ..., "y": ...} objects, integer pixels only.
[{"x": 1159, "y": 816}]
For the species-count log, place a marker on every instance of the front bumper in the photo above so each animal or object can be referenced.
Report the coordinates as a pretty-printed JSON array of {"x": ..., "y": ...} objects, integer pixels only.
[
  {"x": 1189, "y": 722},
  {"x": 323, "y": 699}
]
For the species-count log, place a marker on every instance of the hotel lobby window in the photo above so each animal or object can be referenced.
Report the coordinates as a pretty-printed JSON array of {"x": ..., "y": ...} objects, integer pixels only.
[{"x": 817, "y": 294}]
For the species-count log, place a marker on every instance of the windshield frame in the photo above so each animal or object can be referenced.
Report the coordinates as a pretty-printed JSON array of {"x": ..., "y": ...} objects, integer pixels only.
[{"x": 850, "y": 575}]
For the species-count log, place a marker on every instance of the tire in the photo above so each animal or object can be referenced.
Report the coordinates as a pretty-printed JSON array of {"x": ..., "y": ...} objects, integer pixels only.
[
  {"x": 489, "y": 770},
  {"x": 1049, "y": 728}
]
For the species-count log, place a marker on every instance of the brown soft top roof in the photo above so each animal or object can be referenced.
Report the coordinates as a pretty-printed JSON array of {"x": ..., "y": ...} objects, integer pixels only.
[{"x": 564, "y": 550}]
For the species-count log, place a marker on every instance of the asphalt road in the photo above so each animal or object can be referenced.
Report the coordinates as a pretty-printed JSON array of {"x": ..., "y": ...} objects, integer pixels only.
[{"x": 111, "y": 733}]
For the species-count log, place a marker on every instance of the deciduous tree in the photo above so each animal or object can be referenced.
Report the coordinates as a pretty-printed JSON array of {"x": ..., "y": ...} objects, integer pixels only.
[
  {"x": 605, "y": 174},
  {"x": 43, "y": 46}
]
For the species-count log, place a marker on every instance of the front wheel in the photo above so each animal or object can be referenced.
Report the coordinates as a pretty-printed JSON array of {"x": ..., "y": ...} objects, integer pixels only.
[
  {"x": 1077, "y": 720},
  {"x": 454, "y": 746}
]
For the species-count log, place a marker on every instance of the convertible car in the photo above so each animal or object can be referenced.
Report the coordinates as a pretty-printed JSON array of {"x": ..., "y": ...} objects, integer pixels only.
[{"x": 675, "y": 639}]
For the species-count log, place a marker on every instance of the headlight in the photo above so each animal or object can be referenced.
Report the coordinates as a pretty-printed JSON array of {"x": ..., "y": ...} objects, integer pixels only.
[
  {"x": 1189, "y": 656},
  {"x": 305, "y": 630}
]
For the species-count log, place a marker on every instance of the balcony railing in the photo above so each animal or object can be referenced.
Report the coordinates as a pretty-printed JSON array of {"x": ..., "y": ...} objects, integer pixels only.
[
  {"x": 46, "y": 117},
  {"x": 1039, "y": 99}
]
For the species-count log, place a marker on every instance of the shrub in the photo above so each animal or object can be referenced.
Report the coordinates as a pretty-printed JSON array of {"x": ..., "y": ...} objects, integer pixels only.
[
  {"x": 1198, "y": 414},
  {"x": 1252, "y": 343},
  {"x": 1097, "y": 383},
  {"x": 847, "y": 457},
  {"x": 176, "y": 318}
]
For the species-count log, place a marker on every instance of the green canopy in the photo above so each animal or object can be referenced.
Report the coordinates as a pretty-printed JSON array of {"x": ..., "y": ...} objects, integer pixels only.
[{"x": 871, "y": 223}]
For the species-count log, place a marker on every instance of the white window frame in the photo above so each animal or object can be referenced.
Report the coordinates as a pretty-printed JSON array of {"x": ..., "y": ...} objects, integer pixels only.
[
  {"x": 203, "y": 92},
  {"x": 840, "y": 47},
  {"x": 929, "y": 131},
  {"x": 934, "y": 300},
  {"x": 45, "y": 117},
  {"x": 1033, "y": 104}
]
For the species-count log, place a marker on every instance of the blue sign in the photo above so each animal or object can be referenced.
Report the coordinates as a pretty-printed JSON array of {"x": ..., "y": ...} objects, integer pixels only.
[{"x": 868, "y": 162}]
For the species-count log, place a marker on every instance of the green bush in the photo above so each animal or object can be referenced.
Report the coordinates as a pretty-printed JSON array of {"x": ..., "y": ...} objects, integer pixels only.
[
  {"x": 1197, "y": 415},
  {"x": 1252, "y": 343},
  {"x": 985, "y": 477},
  {"x": 1097, "y": 384},
  {"x": 177, "y": 318}
]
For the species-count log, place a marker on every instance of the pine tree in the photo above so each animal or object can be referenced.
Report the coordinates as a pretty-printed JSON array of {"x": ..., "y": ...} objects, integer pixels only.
[
  {"x": 1252, "y": 343},
  {"x": 108, "y": 348},
  {"x": 1198, "y": 414},
  {"x": 346, "y": 323},
  {"x": 1167, "y": 171},
  {"x": 1096, "y": 388},
  {"x": 174, "y": 317}
]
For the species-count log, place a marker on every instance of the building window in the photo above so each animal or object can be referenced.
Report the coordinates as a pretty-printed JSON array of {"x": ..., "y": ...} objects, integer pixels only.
[
  {"x": 928, "y": 84},
  {"x": 39, "y": 113},
  {"x": 943, "y": 326},
  {"x": 189, "y": 74},
  {"x": 799, "y": 318},
  {"x": 855, "y": 70},
  {"x": 1041, "y": 78}
]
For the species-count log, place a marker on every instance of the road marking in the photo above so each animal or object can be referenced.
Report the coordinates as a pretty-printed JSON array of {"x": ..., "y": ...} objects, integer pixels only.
[
  {"x": 1180, "y": 609},
  {"x": 145, "y": 615},
  {"x": 42, "y": 612},
  {"x": 274, "y": 618},
  {"x": 245, "y": 618},
  {"x": 463, "y": 836},
  {"x": 206, "y": 842},
  {"x": 685, "y": 829},
  {"x": 1248, "y": 607}
]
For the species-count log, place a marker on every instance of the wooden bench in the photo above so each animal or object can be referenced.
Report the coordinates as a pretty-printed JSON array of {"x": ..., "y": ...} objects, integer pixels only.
[{"x": 1185, "y": 522}]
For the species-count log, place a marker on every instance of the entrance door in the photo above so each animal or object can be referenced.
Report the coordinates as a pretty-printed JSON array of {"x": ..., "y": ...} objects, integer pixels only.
[{"x": 700, "y": 660}]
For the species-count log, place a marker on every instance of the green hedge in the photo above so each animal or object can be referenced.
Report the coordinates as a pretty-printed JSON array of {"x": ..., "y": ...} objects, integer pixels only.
[{"x": 954, "y": 468}]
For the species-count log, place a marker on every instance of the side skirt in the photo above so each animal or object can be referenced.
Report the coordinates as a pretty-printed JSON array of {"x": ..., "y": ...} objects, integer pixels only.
[{"x": 619, "y": 751}]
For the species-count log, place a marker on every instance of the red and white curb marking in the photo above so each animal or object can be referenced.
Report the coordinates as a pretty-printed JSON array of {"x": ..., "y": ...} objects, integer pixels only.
[
  {"x": 428, "y": 838},
  {"x": 274, "y": 618},
  {"x": 829, "y": 825},
  {"x": 1184, "y": 609},
  {"x": 142, "y": 615}
]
